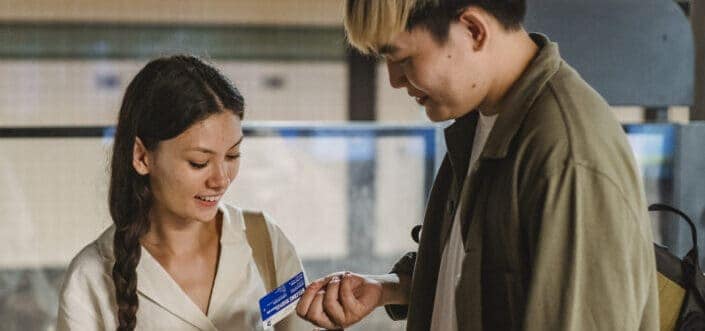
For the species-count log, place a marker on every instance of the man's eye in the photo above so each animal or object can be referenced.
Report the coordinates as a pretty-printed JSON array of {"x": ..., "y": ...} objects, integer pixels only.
[{"x": 198, "y": 165}]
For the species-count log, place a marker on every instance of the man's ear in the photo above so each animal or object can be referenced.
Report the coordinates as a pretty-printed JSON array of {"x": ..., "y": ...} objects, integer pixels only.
[
  {"x": 476, "y": 22},
  {"x": 140, "y": 157}
]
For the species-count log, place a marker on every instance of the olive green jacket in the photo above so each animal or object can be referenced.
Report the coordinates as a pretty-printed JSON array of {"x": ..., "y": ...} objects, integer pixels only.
[{"x": 555, "y": 224}]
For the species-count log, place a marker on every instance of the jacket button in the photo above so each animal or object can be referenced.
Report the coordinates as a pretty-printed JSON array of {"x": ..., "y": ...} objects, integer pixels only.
[{"x": 451, "y": 206}]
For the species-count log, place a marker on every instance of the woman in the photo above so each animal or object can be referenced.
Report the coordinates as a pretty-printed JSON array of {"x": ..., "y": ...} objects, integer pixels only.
[{"x": 176, "y": 258}]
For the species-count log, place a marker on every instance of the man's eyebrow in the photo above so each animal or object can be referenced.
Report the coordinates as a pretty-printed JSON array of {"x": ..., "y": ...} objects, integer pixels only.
[{"x": 387, "y": 49}]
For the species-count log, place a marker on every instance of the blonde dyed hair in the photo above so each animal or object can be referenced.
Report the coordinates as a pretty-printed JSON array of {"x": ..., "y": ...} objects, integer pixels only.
[{"x": 369, "y": 24}]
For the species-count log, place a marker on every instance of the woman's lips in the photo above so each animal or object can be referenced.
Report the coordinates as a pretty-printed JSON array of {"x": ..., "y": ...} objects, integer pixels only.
[{"x": 207, "y": 200}]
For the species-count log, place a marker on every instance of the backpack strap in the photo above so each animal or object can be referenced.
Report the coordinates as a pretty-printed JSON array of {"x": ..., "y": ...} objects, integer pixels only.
[
  {"x": 683, "y": 298},
  {"x": 261, "y": 243},
  {"x": 693, "y": 231}
]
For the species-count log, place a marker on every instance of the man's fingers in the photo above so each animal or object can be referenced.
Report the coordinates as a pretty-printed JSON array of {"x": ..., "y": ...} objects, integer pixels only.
[
  {"x": 347, "y": 297},
  {"x": 316, "y": 315},
  {"x": 308, "y": 296},
  {"x": 331, "y": 306}
]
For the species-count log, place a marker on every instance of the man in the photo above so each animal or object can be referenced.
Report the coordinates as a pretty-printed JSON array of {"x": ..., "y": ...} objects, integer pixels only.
[{"x": 537, "y": 218}]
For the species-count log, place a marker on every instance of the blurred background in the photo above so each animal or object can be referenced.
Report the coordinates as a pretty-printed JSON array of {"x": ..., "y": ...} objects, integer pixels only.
[{"x": 341, "y": 160}]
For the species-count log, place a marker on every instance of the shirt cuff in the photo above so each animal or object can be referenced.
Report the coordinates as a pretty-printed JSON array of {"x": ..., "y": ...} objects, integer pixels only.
[{"x": 405, "y": 266}]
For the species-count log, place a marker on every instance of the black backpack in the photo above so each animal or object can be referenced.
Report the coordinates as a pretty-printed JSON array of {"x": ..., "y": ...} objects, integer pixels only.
[{"x": 681, "y": 283}]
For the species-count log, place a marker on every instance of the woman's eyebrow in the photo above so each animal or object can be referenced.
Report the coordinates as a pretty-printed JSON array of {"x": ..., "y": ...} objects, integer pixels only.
[{"x": 208, "y": 151}]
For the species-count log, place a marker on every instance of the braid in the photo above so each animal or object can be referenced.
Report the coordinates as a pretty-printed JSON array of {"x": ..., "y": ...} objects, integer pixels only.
[
  {"x": 127, "y": 256},
  {"x": 127, "y": 250}
]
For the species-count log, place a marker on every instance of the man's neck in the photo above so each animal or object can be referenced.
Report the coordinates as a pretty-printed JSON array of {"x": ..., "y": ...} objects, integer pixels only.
[{"x": 515, "y": 51}]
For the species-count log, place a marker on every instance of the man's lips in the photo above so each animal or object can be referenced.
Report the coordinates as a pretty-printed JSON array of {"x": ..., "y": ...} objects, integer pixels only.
[{"x": 421, "y": 100}]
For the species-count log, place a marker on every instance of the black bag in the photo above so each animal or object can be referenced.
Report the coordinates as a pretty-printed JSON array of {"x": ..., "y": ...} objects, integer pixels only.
[{"x": 681, "y": 283}]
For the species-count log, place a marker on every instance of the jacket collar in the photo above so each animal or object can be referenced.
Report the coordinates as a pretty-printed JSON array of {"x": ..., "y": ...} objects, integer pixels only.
[
  {"x": 156, "y": 285},
  {"x": 516, "y": 103},
  {"x": 512, "y": 110}
]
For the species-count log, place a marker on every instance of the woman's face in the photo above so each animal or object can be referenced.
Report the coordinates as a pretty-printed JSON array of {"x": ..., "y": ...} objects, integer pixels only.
[{"x": 190, "y": 173}]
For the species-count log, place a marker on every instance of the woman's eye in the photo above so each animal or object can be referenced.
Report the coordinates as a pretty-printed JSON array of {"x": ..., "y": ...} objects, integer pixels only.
[
  {"x": 198, "y": 165},
  {"x": 233, "y": 156}
]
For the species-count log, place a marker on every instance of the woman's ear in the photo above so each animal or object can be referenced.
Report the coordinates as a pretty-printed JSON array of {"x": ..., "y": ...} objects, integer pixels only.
[
  {"x": 140, "y": 157},
  {"x": 475, "y": 21}
]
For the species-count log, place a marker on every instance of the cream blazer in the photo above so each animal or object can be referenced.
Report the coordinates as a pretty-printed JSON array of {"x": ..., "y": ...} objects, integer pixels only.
[{"x": 87, "y": 299}]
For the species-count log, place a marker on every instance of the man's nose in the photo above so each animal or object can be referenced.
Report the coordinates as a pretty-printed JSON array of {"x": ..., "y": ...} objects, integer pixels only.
[{"x": 396, "y": 75}]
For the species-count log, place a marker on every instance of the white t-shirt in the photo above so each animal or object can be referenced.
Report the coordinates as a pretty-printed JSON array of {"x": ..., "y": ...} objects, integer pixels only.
[
  {"x": 444, "y": 317},
  {"x": 87, "y": 300}
]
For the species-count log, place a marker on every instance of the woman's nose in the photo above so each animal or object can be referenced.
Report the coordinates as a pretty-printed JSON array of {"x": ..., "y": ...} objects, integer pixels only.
[{"x": 219, "y": 178}]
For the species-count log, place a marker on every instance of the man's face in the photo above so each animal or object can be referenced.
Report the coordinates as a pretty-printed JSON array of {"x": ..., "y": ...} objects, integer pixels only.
[{"x": 448, "y": 79}]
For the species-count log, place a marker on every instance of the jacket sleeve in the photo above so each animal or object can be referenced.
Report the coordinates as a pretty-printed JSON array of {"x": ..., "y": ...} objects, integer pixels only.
[
  {"x": 76, "y": 311},
  {"x": 591, "y": 255},
  {"x": 73, "y": 316},
  {"x": 405, "y": 266}
]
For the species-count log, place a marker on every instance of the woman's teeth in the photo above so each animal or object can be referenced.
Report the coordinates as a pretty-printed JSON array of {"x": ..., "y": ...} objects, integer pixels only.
[{"x": 209, "y": 199}]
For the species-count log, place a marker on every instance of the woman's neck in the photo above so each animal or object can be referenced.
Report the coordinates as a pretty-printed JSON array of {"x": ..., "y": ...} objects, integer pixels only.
[{"x": 178, "y": 237}]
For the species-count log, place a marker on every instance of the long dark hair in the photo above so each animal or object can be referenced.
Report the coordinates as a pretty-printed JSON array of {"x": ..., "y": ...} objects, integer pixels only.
[{"x": 165, "y": 98}]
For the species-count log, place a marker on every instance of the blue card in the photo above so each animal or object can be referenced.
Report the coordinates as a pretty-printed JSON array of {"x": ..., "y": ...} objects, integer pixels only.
[{"x": 281, "y": 302}]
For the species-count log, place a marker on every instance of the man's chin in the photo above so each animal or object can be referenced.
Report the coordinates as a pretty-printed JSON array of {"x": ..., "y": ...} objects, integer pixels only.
[
  {"x": 438, "y": 116},
  {"x": 446, "y": 114}
]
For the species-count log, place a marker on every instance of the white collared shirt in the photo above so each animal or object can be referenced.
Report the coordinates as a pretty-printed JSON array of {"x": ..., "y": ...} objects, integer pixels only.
[{"x": 87, "y": 300}]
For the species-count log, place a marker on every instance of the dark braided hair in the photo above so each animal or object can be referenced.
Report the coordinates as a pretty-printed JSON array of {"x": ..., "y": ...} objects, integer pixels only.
[{"x": 165, "y": 98}]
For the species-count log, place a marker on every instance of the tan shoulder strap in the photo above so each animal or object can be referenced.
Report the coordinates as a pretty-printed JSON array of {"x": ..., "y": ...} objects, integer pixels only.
[{"x": 261, "y": 243}]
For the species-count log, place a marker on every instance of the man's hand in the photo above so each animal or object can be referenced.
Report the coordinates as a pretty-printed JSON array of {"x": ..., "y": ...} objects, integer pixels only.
[{"x": 340, "y": 300}]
